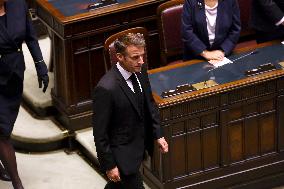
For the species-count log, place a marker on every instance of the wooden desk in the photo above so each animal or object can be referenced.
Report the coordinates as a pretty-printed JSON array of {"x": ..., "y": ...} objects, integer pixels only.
[
  {"x": 229, "y": 135},
  {"x": 78, "y": 37}
]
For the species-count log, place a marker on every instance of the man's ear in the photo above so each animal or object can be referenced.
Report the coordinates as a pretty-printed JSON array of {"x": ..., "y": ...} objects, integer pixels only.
[{"x": 119, "y": 56}]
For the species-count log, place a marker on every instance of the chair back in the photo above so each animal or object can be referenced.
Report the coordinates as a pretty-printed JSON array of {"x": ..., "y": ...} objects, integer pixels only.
[
  {"x": 169, "y": 24},
  {"x": 109, "y": 50}
]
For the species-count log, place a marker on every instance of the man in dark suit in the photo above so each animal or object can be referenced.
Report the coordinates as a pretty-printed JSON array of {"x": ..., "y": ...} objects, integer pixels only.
[
  {"x": 125, "y": 119},
  {"x": 267, "y": 18}
]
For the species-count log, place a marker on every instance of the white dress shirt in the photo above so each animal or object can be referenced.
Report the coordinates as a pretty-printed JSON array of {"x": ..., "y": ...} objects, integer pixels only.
[
  {"x": 280, "y": 22},
  {"x": 211, "y": 15},
  {"x": 126, "y": 75}
]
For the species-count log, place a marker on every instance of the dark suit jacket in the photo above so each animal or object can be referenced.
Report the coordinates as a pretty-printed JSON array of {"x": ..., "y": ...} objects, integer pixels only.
[
  {"x": 19, "y": 28},
  {"x": 194, "y": 27},
  {"x": 266, "y": 13},
  {"x": 121, "y": 133}
]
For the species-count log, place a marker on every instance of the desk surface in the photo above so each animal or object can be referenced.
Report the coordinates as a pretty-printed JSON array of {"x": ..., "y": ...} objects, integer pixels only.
[
  {"x": 74, "y": 7},
  {"x": 190, "y": 74}
]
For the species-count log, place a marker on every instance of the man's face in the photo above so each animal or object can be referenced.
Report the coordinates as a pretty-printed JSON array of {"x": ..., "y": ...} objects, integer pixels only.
[{"x": 132, "y": 59}]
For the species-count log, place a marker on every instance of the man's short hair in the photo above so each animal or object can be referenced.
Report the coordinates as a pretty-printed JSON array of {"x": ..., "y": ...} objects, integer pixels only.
[{"x": 136, "y": 39}]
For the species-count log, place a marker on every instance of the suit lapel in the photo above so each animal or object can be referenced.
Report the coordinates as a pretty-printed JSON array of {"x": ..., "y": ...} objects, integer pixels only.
[
  {"x": 127, "y": 91},
  {"x": 143, "y": 85},
  {"x": 202, "y": 16},
  {"x": 4, "y": 33},
  {"x": 219, "y": 17},
  {"x": 145, "y": 89}
]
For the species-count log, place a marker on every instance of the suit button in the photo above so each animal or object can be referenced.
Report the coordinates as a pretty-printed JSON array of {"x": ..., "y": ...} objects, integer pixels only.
[{"x": 19, "y": 50}]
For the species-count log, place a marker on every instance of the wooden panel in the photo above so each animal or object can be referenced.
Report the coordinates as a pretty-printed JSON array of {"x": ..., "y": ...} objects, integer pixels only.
[
  {"x": 97, "y": 24},
  {"x": 59, "y": 68},
  {"x": 80, "y": 45},
  {"x": 210, "y": 147},
  {"x": 154, "y": 45},
  {"x": 165, "y": 168},
  {"x": 178, "y": 128},
  {"x": 97, "y": 67},
  {"x": 280, "y": 84},
  {"x": 209, "y": 120},
  {"x": 204, "y": 104},
  {"x": 251, "y": 137},
  {"x": 267, "y": 131},
  {"x": 95, "y": 41},
  {"x": 235, "y": 113},
  {"x": 252, "y": 92},
  {"x": 165, "y": 113},
  {"x": 178, "y": 158},
  {"x": 280, "y": 116},
  {"x": 82, "y": 77},
  {"x": 193, "y": 124},
  {"x": 156, "y": 160},
  {"x": 267, "y": 105},
  {"x": 179, "y": 110},
  {"x": 194, "y": 151},
  {"x": 224, "y": 137},
  {"x": 235, "y": 134},
  {"x": 250, "y": 109}
]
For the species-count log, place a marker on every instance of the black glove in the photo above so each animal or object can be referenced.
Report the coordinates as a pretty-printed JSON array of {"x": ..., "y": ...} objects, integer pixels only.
[{"x": 42, "y": 75}]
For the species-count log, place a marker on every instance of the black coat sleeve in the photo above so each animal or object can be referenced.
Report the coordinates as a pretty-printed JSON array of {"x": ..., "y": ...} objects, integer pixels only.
[
  {"x": 31, "y": 38},
  {"x": 154, "y": 113},
  {"x": 102, "y": 106},
  {"x": 271, "y": 10},
  {"x": 234, "y": 33}
]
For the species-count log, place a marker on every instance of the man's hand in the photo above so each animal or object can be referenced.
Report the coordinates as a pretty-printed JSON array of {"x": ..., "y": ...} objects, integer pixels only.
[
  {"x": 163, "y": 145},
  {"x": 113, "y": 175}
]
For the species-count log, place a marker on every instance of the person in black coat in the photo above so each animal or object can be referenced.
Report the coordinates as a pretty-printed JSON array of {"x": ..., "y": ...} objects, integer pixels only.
[
  {"x": 210, "y": 29},
  {"x": 267, "y": 18},
  {"x": 126, "y": 119},
  {"x": 15, "y": 27}
]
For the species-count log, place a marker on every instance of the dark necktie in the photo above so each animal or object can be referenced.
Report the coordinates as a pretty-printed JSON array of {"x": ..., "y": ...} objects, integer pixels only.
[{"x": 137, "y": 90}]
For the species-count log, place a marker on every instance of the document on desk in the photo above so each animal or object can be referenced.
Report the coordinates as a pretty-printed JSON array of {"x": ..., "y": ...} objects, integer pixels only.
[{"x": 223, "y": 62}]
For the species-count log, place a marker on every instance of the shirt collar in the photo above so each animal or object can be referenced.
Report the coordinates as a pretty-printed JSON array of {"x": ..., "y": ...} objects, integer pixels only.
[{"x": 125, "y": 74}]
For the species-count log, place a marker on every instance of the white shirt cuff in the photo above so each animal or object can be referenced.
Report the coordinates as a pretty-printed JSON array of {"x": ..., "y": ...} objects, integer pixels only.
[{"x": 280, "y": 21}]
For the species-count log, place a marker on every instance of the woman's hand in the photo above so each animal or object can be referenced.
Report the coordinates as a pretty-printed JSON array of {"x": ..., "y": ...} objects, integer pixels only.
[
  {"x": 216, "y": 55},
  {"x": 42, "y": 75}
]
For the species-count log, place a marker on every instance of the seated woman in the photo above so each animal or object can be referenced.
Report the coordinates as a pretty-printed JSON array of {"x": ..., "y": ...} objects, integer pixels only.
[{"x": 210, "y": 28}]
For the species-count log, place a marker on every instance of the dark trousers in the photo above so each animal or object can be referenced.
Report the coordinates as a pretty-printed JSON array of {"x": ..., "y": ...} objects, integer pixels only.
[{"x": 133, "y": 181}]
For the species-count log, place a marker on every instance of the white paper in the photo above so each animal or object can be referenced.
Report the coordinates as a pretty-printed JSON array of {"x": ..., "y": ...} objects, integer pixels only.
[
  {"x": 282, "y": 42},
  {"x": 223, "y": 62}
]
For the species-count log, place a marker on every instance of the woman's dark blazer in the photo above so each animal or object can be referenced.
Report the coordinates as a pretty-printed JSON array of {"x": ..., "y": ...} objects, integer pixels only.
[
  {"x": 194, "y": 27},
  {"x": 19, "y": 28}
]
